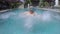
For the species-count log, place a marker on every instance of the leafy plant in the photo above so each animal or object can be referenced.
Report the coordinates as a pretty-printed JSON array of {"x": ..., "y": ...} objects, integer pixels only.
[
  {"x": 27, "y": 2},
  {"x": 15, "y": 4},
  {"x": 41, "y": 3},
  {"x": 46, "y": 4}
]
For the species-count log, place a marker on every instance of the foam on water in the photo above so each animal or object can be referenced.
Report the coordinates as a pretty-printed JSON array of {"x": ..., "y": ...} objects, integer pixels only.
[
  {"x": 6, "y": 15},
  {"x": 46, "y": 16}
]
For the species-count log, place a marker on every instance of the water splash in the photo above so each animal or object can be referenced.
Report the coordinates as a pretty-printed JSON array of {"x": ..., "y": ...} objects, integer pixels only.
[
  {"x": 46, "y": 16},
  {"x": 6, "y": 15}
]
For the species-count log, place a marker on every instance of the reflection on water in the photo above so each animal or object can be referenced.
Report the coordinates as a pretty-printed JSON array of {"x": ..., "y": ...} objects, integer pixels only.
[{"x": 45, "y": 22}]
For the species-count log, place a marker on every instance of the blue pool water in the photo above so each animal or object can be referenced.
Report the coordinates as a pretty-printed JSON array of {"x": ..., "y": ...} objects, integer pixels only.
[{"x": 14, "y": 22}]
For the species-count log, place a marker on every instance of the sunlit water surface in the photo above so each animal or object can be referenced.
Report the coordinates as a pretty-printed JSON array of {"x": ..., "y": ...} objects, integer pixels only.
[{"x": 15, "y": 22}]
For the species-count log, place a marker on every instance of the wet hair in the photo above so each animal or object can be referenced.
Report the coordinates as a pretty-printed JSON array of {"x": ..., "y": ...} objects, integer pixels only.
[{"x": 31, "y": 11}]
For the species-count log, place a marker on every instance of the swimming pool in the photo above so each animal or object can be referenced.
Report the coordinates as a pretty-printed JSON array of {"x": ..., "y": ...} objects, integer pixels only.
[{"x": 13, "y": 22}]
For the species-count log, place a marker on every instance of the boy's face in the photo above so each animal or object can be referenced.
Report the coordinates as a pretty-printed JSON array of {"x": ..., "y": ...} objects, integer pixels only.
[{"x": 31, "y": 12}]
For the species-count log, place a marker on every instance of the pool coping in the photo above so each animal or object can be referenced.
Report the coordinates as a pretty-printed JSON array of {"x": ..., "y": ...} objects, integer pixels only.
[
  {"x": 50, "y": 9},
  {"x": 4, "y": 10}
]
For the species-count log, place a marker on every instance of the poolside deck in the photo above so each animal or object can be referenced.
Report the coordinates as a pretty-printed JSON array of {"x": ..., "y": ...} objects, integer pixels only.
[
  {"x": 49, "y": 9},
  {"x": 4, "y": 10},
  {"x": 56, "y": 9}
]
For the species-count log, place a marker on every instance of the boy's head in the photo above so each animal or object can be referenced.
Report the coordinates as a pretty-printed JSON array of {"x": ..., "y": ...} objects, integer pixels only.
[{"x": 31, "y": 11}]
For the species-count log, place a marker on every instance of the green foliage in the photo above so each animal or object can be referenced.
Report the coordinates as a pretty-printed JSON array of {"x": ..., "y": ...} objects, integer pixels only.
[
  {"x": 15, "y": 4},
  {"x": 41, "y": 5},
  {"x": 44, "y": 4},
  {"x": 28, "y": 2}
]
